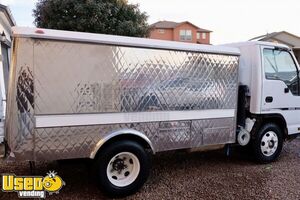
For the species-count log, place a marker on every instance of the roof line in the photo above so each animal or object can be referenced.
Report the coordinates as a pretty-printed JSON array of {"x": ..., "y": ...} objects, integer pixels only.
[
  {"x": 296, "y": 36},
  {"x": 266, "y": 35},
  {"x": 8, "y": 14},
  {"x": 270, "y": 35},
  {"x": 81, "y": 37},
  {"x": 178, "y": 24}
]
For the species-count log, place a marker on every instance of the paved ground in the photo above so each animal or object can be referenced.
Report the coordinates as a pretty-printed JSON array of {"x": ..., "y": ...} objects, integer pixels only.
[{"x": 209, "y": 175}]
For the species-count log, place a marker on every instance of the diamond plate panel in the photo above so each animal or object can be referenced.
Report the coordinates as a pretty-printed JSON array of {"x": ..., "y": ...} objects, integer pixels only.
[
  {"x": 20, "y": 105},
  {"x": 213, "y": 131},
  {"x": 101, "y": 78},
  {"x": 74, "y": 78},
  {"x": 79, "y": 142}
]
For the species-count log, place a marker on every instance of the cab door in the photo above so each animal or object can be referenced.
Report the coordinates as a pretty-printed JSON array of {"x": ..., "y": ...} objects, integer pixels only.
[{"x": 281, "y": 86}]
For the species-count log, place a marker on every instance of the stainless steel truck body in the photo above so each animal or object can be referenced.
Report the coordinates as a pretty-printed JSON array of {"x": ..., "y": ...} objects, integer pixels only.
[
  {"x": 68, "y": 96},
  {"x": 108, "y": 98}
]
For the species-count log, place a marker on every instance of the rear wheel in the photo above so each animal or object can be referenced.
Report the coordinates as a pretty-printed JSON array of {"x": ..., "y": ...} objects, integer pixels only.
[
  {"x": 268, "y": 143},
  {"x": 122, "y": 168}
]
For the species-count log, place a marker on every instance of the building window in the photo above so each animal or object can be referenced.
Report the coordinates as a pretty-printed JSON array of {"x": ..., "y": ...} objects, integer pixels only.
[
  {"x": 161, "y": 31},
  {"x": 185, "y": 35},
  {"x": 203, "y": 36},
  {"x": 198, "y": 36}
]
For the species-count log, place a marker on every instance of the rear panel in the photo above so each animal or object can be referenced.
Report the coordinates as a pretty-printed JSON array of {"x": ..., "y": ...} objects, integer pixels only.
[
  {"x": 74, "y": 79},
  {"x": 20, "y": 101}
]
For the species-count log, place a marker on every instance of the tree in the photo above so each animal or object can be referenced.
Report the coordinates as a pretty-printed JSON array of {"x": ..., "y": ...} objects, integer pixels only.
[{"x": 116, "y": 17}]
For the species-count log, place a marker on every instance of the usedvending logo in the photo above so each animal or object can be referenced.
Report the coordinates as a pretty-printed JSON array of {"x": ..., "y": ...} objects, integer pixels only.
[{"x": 32, "y": 186}]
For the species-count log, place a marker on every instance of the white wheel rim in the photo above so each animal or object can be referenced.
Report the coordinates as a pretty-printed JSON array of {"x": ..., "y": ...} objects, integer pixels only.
[
  {"x": 269, "y": 143},
  {"x": 123, "y": 169}
]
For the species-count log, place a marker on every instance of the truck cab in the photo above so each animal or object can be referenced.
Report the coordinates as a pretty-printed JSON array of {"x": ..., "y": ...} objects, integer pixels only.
[{"x": 270, "y": 74}]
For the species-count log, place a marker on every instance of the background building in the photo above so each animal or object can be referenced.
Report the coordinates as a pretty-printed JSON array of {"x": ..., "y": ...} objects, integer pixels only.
[
  {"x": 183, "y": 32},
  {"x": 6, "y": 22},
  {"x": 283, "y": 37}
]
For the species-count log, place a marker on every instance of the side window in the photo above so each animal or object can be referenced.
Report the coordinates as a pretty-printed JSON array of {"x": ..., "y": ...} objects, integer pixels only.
[
  {"x": 279, "y": 65},
  {"x": 5, "y": 62}
]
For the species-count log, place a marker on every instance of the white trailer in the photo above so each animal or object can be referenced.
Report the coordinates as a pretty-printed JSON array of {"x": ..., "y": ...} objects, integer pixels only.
[{"x": 118, "y": 99}]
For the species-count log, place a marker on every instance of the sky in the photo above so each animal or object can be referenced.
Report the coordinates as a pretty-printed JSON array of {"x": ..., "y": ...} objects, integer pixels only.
[{"x": 230, "y": 20}]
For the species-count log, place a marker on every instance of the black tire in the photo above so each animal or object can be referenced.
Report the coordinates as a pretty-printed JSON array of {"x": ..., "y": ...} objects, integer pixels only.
[
  {"x": 104, "y": 157},
  {"x": 257, "y": 143}
]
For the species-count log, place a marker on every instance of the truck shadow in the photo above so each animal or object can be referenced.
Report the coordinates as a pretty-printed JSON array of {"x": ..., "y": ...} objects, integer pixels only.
[{"x": 173, "y": 174}]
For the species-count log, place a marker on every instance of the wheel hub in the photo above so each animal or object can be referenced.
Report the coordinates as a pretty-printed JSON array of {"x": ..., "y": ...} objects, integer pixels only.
[
  {"x": 123, "y": 169},
  {"x": 119, "y": 165},
  {"x": 269, "y": 143}
]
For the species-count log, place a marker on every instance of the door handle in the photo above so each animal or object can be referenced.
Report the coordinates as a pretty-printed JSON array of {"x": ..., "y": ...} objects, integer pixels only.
[
  {"x": 269, "y": 99},
  {"x": 286, "y": 90}
]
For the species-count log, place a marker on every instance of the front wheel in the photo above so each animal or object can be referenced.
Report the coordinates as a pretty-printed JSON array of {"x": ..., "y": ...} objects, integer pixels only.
[
  {"x": 268, "y": 143},
  {"x": 122, "y": 168}
]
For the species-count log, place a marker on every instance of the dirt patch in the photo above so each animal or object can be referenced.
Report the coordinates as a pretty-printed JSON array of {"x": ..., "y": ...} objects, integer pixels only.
[{"x": 210, "y": 175}]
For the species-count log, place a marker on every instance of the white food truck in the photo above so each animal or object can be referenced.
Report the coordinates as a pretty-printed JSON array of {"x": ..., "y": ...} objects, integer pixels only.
[{"x": 117, "y": 100}]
